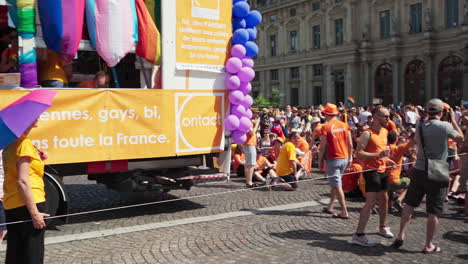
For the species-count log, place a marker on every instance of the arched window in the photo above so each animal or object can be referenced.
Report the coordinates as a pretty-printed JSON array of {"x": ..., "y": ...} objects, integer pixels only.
[
  {"x": 451, "y": 80},
  {"x": 415, "y": 75},
  {"x": 383, "y": 88}
]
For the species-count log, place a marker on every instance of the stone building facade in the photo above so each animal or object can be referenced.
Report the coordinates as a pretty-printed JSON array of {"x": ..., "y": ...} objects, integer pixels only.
[{"x": 316, "y": 51}]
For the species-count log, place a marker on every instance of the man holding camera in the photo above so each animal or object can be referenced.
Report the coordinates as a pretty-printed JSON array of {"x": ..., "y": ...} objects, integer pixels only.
[{"x": 435, "y": 135}]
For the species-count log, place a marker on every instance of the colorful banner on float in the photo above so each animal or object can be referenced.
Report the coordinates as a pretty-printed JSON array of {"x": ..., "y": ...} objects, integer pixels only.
[
  {"x": 203, "y": 32},
  {"x": 128, "y": 124}
]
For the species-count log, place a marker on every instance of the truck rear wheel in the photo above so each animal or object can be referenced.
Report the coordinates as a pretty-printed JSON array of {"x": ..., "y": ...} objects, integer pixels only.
[{"x": 56, "y": 199}]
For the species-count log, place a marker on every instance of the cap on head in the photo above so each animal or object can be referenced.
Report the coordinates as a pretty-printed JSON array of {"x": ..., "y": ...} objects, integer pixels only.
[
  {"x": 446, "y": 106},
  {"x": 315, "y": 120},
  {"x": 330, "y": 109},
  {"x": 434, "y": 106}
]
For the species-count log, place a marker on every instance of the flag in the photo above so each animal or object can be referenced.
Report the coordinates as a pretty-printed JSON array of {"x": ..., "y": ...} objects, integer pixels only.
[
  {"x": 149, "y": 42},
  {"x": 351, "y": 100}
]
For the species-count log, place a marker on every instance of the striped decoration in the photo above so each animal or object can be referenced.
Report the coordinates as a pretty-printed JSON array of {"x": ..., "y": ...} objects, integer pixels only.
[
  {"x": 112, "y": 28},
  {"x": 27, "y": 31}
]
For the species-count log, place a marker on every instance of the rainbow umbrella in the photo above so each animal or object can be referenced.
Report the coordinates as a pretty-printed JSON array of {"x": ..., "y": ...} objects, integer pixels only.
[{"x": 16, "y": 118}]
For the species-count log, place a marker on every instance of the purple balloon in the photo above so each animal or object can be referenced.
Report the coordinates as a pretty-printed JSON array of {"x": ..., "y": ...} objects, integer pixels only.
[
  {"x": 238, "y": 110},
  {"x": 245, "y": 88},
  {"x": 238, "y": 51},
  {"x": 248, "y": 62},
  {"x": 233, "y": 65},
  {"x": 246, "y": 74},
  {"x": 238, "y": 23},
  {"x": 244, "y": 124},
  {"x": 241, "y": 9},
  {"x": 251, "y": 49},
  {"x": 253, "y": 19},
  {"x": 240, "y": 36},
  {"x": 232, "y": 82},
  {"x": 232, "y": 122},
  {"x": 236, "y": 97},
  {"x": 248, "y": 114},
  {"x": 252, "y": 33},
  {"x": 248, "y": 101},
  {"x": 239, "y": 137}
]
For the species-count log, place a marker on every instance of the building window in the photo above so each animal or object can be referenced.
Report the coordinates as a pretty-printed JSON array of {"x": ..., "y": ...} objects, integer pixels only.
[
  {"x": 273, "y": 45},
  {"x": 316, "y": 36},
  {"x": 274, "y": 75},
  {"x": 451, "y": 13},
  {"x": 292, "y": 12},
  {"x": 317, "y": 68},
  {"x": 339, "y": 31},
  {"x": 338, "y": 1},
  {"x": 315, "y": 6},
  {"x": 384, "y": 18},
  {"x": 317, "y": 95},
  {"x": 293, "y": 39},
  {"x": 273, "y": 18},
  {"x": 295, "y": 96},
  {"x": 416, "y": 18},
  {"x": 339, "y": 85},
  {"x": 295, "y": 73}
]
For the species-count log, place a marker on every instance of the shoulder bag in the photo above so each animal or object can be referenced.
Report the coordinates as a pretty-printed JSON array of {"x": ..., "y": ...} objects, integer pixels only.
[{"x": 437, "y": 170}]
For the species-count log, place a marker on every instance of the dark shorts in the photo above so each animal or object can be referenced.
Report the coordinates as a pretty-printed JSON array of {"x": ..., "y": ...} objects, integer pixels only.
[
  {"x": 265, "y": 172},
  {"x": 419, "y": 187},
  {"x": 291, "y": 179},
  {"x": 376, "y": 181}
]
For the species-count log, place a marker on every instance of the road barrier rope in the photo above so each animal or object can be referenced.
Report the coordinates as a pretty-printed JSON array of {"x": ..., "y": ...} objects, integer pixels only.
[{"x": 203, "y": 195}]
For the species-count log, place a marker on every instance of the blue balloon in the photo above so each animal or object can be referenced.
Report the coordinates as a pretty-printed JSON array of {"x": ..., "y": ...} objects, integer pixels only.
[
  {"x": 252, "y": 49},
  {"x": 238, "y": 23},
  {"x": 252, "y": 33},
  {"x": 253, "y": 19},
  {"x": 241, "y": 9},
  {"x": 240, "y": 36},
  {"x": 237, "y": 1}
]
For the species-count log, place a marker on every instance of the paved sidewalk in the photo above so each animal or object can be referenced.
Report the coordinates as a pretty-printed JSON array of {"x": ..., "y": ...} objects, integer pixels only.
[{"x": 255, "y": 227}]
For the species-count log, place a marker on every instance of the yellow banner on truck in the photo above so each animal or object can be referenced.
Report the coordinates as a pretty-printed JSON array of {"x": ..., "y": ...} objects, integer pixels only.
[{"x": 120, "y": 124}]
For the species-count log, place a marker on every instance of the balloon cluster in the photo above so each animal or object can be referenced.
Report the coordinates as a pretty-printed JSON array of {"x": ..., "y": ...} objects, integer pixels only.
[{"x": 240, "y": 69}]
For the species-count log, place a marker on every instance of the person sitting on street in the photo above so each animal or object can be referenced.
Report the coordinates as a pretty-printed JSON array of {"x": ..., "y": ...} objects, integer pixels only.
[{"x": 286, "y": 167}]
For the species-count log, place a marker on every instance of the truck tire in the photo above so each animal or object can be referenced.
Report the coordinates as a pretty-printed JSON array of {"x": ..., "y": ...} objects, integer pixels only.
[{"x": 56, "y": 199}]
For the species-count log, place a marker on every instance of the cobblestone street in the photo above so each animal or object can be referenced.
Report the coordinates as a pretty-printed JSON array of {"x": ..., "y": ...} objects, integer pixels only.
[{"x": 251, "y": 226}]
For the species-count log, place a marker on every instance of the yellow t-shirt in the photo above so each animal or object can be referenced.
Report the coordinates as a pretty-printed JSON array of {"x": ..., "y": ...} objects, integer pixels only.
[
  {"x": 52, "y": 68},
  {"x": 287, "y": 153},
  {"x": 22, "y": 147}
]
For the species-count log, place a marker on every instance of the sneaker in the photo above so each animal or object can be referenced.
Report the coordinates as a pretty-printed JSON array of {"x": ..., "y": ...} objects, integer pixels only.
[
  {"x": 363, "y": 241},
  {"x": 385, "y": 232}
]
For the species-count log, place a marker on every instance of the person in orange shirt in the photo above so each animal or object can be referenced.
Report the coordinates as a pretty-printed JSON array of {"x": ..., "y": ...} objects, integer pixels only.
[
  {"x": 263, "y": 168},
  {"x": 396, "y": 182},
  {"x": 336, "y": 141},
  {"x": 372, "y": 148},
  {"x": 101, "y": 80},
  {"x": 52, "y": 70},
  {"x": 391, "y": 126},
  {"x": 239, "y": 161},
  {"x": 251, "y": 153}
]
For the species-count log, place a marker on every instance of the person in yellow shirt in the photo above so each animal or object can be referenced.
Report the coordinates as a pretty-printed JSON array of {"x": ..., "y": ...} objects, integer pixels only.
[
  {"x": 286, "y": 167},
  {"x": 53, "y": 71},
  {"x": 24, "y": 199}
]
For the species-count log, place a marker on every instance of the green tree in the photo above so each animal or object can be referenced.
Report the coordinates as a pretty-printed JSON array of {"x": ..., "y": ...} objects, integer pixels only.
[{"x": 275, "y": 98}]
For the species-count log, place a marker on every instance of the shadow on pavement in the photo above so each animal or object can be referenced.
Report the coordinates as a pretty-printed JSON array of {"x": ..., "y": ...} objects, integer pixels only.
[
  {"x": 457, "y": 236},
  {"x": 86, "y": 197},
  {"x": 329, "y": 242}
]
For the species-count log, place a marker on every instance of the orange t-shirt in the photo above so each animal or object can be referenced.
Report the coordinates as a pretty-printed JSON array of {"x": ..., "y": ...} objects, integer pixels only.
[
  {"x": 376, "y": 144},
  {"x": 391, "y": 126},
  {"x": 237, "y": 159},
  {"x": 251, "y": 138},
  {"x": 302, "y": 145},
  {"x": 396, "y": 154},
  {"x": 260, "y": 161},
  {"x": 318, "y": 130},
  {"x": 337, "y": 133},
  {"x": 87, "y": 84}
]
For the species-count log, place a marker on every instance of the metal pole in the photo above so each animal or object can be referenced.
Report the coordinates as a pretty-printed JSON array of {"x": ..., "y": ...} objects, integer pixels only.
[
  {"x": 145, "y": 75},
  {"x": 116, "y": 80}
]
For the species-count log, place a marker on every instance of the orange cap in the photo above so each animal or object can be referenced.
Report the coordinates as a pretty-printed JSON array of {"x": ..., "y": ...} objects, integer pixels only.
[
  {"x": 330, "y": 109},
  {"x": 446, "y": 106}
]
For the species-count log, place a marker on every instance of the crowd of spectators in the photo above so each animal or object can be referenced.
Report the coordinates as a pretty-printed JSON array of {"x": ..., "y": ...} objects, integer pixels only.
[{"x": 284, "y": 144}]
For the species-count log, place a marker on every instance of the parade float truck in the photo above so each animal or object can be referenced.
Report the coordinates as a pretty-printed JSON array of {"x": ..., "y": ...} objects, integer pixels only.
[{"x": 141, "y": 139}]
